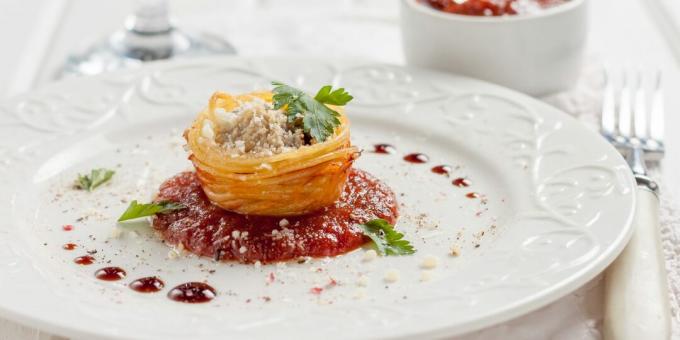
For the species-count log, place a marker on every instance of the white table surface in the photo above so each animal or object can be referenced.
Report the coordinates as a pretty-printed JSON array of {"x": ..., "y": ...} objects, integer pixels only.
[{"x": 37, "y": 35}]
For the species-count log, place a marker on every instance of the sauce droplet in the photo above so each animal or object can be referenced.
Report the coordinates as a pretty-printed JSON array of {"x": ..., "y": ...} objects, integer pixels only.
[
  {"x": 416, "y": 158},
  {"x": 442, "y": 170},
  {"x": 192, "y": 292},
  {"x": 472, "y": 195},
  {"x": 150, "y": 284},
  {"x": 461, "y": 182},
  {"x": 67, "y": 227},
  {"x": 110, "y": 273},
  {"x": 384, "y": 149},
  {"x": 69, "y": 246},
  {"x": 84, "y": 260}
]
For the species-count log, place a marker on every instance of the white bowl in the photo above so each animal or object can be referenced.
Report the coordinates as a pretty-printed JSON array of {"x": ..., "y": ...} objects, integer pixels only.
[{"x": 534, "y": 53}]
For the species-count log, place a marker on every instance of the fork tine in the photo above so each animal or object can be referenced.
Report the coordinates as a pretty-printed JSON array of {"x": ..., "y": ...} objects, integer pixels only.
[
  {"x": 608, "y": 119},
  {"x": 656, "y": 120},
  {"x": 640, "y": 110},
  {"x": 625, "y": 110}
]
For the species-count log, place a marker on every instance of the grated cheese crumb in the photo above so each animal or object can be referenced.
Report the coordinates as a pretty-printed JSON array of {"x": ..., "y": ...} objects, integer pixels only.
[
  {"x": 207, "y": 131},
  {"x": 242, "y": 250},
  {"x": 370, "y": 255},
  {"x": 225, "y": 119},
  {"x": 455, "y": 251},
  {"x": 283, "y": 223},
  {"x": 258, "y": 264},
  {"x": 430, "y": 262},
  {"x": 173, "y": 254},
  {"x": 265, "y": 166},
  {"x": 391, "y": 276},
  {"x": 116, "y": 233},
  {"x": 425, "y": 275}
]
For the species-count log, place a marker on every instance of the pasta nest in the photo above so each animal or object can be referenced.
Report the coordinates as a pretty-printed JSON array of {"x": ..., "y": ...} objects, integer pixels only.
[{"x": 287, "y": 184}]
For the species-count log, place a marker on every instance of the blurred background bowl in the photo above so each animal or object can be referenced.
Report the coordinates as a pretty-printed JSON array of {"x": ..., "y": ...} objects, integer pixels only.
[{"x": 536, "y": 53}]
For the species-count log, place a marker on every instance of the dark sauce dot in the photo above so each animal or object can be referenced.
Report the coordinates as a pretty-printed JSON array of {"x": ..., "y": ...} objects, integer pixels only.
[
  {"x": 442, "y": 170},
  {"x": 192, "y": 292},
  {"x": 416, "y": 158},
  {"x": 461, "y": 182},
  {"x": 84, "y": 260},
  {"x": 110, "y": 273},
  {"x": 472, "y": 195},
  {"x": 69, "y": 246},
  {"x": 67, "y": 227},
  {"x": 150, "y": 284},
  {"x": 384, "y": 149}
]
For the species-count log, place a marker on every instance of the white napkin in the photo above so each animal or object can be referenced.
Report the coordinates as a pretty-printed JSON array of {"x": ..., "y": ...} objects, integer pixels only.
[{"x": 670, "y": 221}]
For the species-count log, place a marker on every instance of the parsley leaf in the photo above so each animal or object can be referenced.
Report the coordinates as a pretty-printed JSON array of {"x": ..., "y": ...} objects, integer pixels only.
[
  {"x": 137, "y": 210},
  {"x": 338, "y": 97},
  {"x": 96, "y": 178},
  {"x": 317, "y": 120},
  {"x": 386, "y": 240},
  {"x": 320, "y": 124},
  {"x": 285, "y": 95}
]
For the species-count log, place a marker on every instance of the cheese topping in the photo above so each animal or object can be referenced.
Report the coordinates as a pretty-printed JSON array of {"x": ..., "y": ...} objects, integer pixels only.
[
  {"x": 369, "y": 255},
  {"x": 429, "y": 262},
  {"x": 391, "y": 276}
]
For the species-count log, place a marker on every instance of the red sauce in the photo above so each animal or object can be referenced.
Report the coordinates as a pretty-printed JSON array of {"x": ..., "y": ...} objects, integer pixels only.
[
  {"x": 442, "y": 170},
  {"x": 67, "y": 227},
  {"x": 84, "y": 260},
  {"x": 461, "y": 182},
  {"x": 207, "y": 230},
  {"x": 491, "y": 7},
  {"x": 149, "y": 284},
  {"x": 110, "y": 274},
  {"x": 69, "y": 246},
  {"x": 472, "y": 195},
  {"x": 416, "y": 158},
  {"x": 192, "y": 292},
  {"x": 384, "y": 149}
]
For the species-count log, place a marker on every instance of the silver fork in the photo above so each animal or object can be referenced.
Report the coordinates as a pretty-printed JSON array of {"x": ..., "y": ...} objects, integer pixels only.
[
  {"x": 622, "y": 128},
  {"x": 636, "y": 295}
]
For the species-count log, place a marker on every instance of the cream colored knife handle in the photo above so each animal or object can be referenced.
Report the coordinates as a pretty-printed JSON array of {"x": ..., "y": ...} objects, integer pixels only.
[{"x": 636, "y": 292}]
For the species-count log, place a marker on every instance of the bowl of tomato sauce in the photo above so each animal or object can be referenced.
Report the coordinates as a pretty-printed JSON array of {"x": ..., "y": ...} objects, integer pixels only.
[{"x": 534, "y": 46}]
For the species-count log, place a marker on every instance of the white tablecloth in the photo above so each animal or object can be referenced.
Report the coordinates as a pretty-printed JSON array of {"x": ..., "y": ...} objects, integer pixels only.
[{"x": 623, "y": 32}]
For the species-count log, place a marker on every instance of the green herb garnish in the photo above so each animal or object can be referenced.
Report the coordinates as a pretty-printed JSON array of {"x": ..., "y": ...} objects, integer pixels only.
[
  {"x": 96, "y": 178},
  {"x": 386, "y": 240},
  {"x": 339, "y": 97},
  {"x": 136, "y": 210},
  {"x": 316, "y": 119}
]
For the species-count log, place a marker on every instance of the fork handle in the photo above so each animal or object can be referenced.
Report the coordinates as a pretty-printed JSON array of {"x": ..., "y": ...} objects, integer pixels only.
[{"x": 636, "y": 293}]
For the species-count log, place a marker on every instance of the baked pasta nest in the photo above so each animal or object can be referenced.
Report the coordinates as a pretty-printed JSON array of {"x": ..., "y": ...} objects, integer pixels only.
[{"x": 290, "y": 183}]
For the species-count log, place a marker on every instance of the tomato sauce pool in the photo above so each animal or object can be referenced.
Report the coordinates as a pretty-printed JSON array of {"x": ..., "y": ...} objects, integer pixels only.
[{"x": 207, "y": 230}]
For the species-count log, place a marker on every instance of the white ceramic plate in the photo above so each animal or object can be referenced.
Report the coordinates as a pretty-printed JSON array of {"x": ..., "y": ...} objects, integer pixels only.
[{"x": 556, "y": 208}]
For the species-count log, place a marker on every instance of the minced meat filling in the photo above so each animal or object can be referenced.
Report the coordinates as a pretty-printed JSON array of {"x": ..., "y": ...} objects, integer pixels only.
[{"x": 255, "y": 129}]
